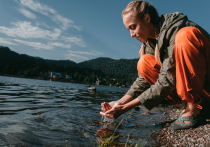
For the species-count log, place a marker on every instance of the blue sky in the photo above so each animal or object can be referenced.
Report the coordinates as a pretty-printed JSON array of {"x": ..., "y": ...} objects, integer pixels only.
[{"x": 80, "y": 30}]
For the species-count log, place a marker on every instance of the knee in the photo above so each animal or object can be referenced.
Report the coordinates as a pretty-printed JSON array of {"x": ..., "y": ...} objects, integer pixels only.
[
  {"x": 141, "y": 64},
  {"x": 145, "y": 63},
  {"x": 188, "y": 36},
  {"x": 149, "y": 68}
]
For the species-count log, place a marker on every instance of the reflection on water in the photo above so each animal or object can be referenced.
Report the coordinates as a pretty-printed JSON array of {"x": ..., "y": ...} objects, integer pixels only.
[{"x": 43, "y": 113}]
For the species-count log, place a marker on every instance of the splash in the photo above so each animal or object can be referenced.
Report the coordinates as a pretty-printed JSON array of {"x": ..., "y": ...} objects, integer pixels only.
[{"x": 106, "y": 122}]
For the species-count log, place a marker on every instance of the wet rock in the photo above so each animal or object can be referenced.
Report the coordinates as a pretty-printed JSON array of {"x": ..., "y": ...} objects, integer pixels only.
[
  {"x": 165, "y": 113},
  {"x": 92, "y": 89},
  {"x": 146, "y": 113},
  {"x": 167, "y": 124},
  {"x": 137, "y": 108}
]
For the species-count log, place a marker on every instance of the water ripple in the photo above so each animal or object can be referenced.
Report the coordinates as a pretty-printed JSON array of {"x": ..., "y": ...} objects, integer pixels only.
[{"x": 41, "y": 113}]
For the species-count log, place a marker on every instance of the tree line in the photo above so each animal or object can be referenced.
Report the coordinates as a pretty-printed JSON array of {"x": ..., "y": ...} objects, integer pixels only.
[{"x": 106, "y": 70}]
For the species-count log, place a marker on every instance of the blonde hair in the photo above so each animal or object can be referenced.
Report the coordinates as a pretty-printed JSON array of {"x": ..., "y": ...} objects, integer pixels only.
[{"x": 139, "y": 9}]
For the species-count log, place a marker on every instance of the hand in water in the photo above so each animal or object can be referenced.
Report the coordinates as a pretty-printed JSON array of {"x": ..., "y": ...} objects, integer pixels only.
[
  {"x": 112, "y": 110},
  {"x": 105, "y": 106}
]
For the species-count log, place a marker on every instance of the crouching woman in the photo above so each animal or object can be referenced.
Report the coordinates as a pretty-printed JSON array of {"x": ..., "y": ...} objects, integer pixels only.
[{"x": 174, "y": 63}]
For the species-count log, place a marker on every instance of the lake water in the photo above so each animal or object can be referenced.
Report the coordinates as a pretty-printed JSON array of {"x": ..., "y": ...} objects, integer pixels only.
[{"x": 46, "y": 113}]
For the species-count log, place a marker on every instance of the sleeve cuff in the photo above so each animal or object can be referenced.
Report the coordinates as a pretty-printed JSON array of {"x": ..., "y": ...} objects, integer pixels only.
[
  {"x": 145, "y": 102},
  {"x": 131, "y": 93}
]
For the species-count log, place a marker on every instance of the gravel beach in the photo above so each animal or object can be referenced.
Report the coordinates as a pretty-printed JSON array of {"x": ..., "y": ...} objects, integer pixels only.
[{"x": 194, "y": 137}]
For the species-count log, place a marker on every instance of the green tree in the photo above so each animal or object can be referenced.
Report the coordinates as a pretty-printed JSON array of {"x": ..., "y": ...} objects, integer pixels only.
[
  {"x": 80, "y": 78},
  {"x": 93, "y": 79},
  {"x": 76, "y": 76}
]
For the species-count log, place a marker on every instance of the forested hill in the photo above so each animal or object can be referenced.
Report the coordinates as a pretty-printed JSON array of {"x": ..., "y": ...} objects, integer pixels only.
[
  {"x": 10, "y": 57},
  {"x": 97, "y": 63},
  {"x": 64, "y": 63},
  {"x": 123, "y": 68},
  {"x": 21, "y": 61},
  {"x": 6, "y": 53}
]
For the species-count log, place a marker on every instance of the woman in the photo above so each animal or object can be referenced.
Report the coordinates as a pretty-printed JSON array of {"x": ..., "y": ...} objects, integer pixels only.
[{"x": 174, "y": 63}]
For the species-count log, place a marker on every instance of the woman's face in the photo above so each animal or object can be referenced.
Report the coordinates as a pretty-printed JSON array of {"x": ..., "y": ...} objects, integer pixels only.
[{"x": 140, "y": 29}]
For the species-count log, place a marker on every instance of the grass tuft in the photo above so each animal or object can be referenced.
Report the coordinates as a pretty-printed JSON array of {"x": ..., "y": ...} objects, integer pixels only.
[{"x": 110, "y": 142}]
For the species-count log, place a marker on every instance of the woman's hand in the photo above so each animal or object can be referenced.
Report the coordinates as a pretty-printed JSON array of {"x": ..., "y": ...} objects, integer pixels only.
[
  {"x": 112, "y": 110},
  {"x": 107, "y": 106},
  {"x": 116, "y": 108}
]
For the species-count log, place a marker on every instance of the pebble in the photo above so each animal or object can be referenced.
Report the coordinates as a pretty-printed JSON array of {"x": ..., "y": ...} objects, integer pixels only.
[
  {"x": 146, "y": 113},
  {"x": 164, "y": 113}
]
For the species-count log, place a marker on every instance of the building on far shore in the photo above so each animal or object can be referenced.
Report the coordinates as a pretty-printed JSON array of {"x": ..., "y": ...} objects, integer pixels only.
[
  {"x": 68, "y": 78},
  {"x": 54, "y": 75},
  {"x": 98, "y": 81}
]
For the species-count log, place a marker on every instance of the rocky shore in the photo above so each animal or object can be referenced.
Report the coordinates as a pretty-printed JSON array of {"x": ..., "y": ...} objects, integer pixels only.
[{"x": 194, "y": 137}]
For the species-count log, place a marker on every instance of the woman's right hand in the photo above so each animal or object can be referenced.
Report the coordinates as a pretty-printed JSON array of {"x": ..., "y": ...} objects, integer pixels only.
[{"x": 107, "y": 106}]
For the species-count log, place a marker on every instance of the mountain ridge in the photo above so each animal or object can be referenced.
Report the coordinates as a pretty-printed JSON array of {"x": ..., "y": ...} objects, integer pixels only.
[{"x": 121, "y": 68}]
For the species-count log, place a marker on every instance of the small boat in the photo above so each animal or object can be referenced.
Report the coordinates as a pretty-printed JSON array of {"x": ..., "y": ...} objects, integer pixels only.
[
  {"x": 88, "y": 86},
  {"x": 92, "y": 89}
]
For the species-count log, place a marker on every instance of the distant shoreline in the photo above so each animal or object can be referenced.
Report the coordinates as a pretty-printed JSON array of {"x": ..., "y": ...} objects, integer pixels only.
[{"x": 91, "y": 85}]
